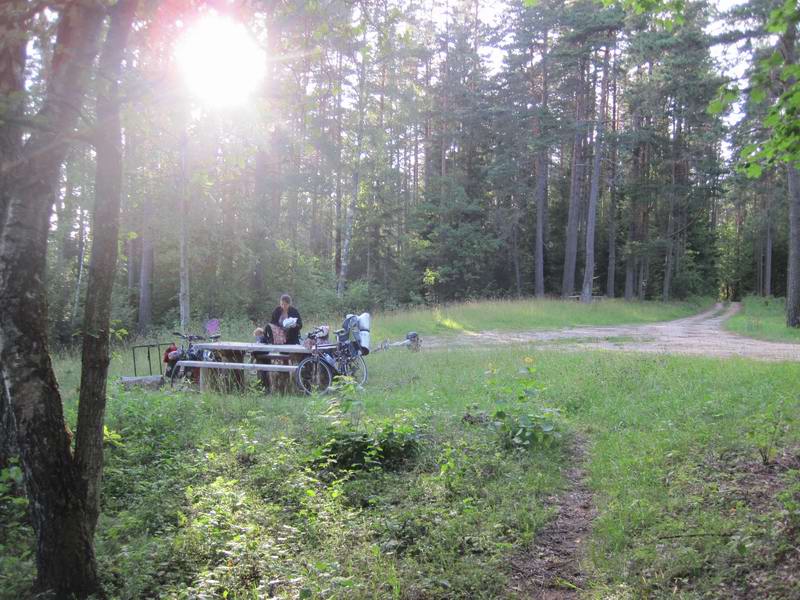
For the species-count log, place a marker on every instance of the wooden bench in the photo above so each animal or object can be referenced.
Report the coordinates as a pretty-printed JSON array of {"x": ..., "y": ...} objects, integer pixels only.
[
  {"x": 209, "y": 364},
  {"x": 235, "y": 361},
  {"x": 205, "y": 365}
]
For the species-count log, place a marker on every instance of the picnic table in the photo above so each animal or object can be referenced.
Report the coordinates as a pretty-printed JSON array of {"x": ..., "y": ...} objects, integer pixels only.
[{"x": 272, "y": 358}]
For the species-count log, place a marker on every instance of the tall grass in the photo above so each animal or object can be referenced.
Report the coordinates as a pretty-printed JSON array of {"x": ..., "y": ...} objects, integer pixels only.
[{"x": 764, "y": 319}]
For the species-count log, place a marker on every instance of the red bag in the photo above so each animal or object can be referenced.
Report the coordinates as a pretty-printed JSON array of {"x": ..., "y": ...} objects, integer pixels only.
[{"x": 278, "y": 334}]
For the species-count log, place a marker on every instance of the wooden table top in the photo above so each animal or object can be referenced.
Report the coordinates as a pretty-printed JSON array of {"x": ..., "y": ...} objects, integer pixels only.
[{"x": 254, "y": 347}]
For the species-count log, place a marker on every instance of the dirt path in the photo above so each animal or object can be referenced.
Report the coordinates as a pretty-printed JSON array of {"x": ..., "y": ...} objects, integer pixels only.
[
  {"x": 698, "y": 335},
  {"x": 553, "y": 568}
]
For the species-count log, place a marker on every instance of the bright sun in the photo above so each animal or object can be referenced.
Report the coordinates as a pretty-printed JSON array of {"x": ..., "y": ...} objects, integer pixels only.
[{"x": 220, "y": 61}]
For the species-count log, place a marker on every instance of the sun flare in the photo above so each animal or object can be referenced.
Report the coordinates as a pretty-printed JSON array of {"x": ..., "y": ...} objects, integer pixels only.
[{"x": 220, "y": 61}]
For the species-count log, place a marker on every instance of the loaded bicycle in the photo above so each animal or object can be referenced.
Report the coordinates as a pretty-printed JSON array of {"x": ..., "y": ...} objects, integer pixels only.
[
  {"x": 185, "y": 377},
  {"x": 345, "y": 358}
]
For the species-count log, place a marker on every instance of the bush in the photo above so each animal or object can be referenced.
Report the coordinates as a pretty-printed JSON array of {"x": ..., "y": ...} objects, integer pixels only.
[
  {"x": 526, "y": 430},
  {"x": 388, "y": 447},
  {"x": 519, "y": 421}
]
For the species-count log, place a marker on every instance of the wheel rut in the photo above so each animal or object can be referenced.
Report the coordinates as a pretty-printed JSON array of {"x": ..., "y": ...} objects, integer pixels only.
[{"x": 553, "y": 568}]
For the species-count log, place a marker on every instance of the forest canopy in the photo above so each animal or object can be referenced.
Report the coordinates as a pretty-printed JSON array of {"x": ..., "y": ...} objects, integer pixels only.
[{"x": 397, "y": 152}]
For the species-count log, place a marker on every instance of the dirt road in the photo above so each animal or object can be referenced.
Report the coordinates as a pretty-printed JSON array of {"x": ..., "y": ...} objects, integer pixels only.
[{"x": 701, "y": 334}]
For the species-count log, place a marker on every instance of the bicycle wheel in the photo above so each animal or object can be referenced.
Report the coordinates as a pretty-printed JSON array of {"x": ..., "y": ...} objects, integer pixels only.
[
  {"x": 356, "y": 368},
  {"x": 313, "y": 375}
]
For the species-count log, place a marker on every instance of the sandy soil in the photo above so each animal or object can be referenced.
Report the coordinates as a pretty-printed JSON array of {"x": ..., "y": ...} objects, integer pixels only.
[{"x": 698, "y": 335}]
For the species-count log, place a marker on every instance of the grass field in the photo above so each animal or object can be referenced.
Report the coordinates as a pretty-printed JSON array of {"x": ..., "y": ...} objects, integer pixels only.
[
  {"x": 528, "y": 314},
  {"x": 764, "y": 319},
  {"x": 424, "y": 484}
]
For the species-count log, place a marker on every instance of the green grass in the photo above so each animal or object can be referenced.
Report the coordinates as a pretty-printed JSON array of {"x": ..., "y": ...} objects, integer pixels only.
[
  {"x": 209, "y": 494},
  {"x": 672, "y": 443},
  {"x": 527, "y": 314},
  {"x": 763, "y": 319}
]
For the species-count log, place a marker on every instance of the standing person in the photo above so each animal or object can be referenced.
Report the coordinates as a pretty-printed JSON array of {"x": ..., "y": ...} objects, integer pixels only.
[{"x": 286, "y": 311}]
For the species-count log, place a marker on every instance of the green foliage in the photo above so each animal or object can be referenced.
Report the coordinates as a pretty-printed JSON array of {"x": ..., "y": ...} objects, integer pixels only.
[
  {"x": 783, "y": 110},
  {"x": 763, "y": 318},
  {"x": 525, "y": 431},
  {"x": 789, "y": 498},
  {"x": 388, "y": 446},
  {"x": 352, "y": 443},
  {"x": 209, "y": 495},
  {"x": 768, "y": 428},
  {"x": 17, "y": 564},
  {"x": 519, "y": 421}
]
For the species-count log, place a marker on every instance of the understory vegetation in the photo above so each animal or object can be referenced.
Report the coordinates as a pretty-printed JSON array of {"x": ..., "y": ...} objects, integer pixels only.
[
  {"x": 426, "y": 483},
  {"x": 763, "y": 318}
]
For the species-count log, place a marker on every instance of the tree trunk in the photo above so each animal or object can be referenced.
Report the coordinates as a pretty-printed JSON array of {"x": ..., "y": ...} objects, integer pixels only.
[
  {"x": 612, "y": 196},
  {"x": 130, "y": 266},
  {"x": 350, "y": 211},
  {"x": 670, "y": 245},
  {"x": 102, "y": 268},
  {"x": 576, "y": 180},
  {"x": 337, "y": 245},
  {"x": 183, "y": 210},
  {"x": 594, "y": 190},
  {"x": 8, "y": 431},
  {"x": 788, "y": 40},
  {"x": 644, "y": 261},
  {"x": 82, "y": 245},
  {"x": 793, "y": 270},
  {"x": 259, "y": 225},
  {"x": 540, "y": 192},
  {"x": 64, "y": 551},
  {"x": 768, "y": 252},
  {"x": 12, "y": 87},
  {"x": 146, "y": 277},
  {"x": 515, "y": 258}
]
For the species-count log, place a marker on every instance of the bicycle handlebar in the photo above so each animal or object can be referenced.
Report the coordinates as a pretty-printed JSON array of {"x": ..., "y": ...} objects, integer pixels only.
[{"x": 193, "y": 338}]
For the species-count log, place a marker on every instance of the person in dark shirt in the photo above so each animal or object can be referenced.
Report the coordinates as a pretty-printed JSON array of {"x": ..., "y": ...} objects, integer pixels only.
[{"x": 286, "y": 311}]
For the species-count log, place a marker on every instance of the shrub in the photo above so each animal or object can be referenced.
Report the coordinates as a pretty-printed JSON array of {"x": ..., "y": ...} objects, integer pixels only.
[
  {"x": 525, "y": 430},
  {"x": 387, "y": 447},
  {"x": 520, "y": 423}
]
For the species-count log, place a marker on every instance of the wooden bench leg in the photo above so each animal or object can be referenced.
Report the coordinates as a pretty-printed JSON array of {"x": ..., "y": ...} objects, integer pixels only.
[
  {"x": 281, "y": 382},
  {"x": 263, "y": 376}
]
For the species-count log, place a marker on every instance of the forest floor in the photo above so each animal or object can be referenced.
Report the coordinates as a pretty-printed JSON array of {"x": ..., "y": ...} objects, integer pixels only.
[{"x": 702, "y": 334}]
